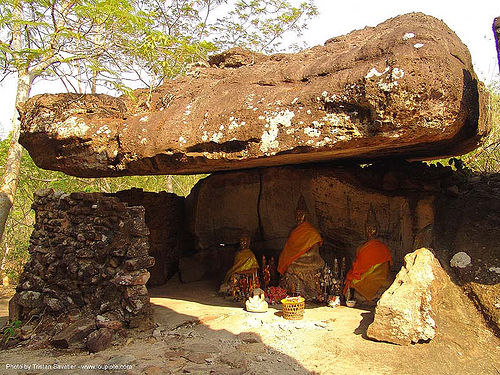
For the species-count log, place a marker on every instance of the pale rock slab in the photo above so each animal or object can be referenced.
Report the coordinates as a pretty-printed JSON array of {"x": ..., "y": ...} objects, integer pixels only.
[{"x": 406, "y": 312}]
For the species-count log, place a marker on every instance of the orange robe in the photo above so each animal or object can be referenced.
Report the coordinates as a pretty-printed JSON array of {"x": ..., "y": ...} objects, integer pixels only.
[
  {"x": 369, "y": 267},
  {"x": 299, "y": 242}
]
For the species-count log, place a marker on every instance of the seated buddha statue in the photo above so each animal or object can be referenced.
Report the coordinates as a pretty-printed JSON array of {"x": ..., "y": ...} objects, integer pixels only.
[
  {"x": 370, "y": 269},
  {"x": 300, "y": 263},
  {"x": 244, "y": 263}
]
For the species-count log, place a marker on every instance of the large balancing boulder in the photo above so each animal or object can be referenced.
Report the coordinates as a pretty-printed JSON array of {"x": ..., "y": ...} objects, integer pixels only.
[{"x": 403, "y": 88}]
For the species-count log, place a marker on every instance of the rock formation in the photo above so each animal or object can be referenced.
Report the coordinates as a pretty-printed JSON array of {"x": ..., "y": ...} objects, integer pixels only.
[
  {"x": 406, "y": 312},
  {"x": 404, "y": 88},
  {"x": 422, "y": 303},
  {"x": 262, "y": 202},
  {"x": 471, "y": 227}
]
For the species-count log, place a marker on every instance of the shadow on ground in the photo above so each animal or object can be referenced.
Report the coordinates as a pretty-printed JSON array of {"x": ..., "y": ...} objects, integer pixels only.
[{"x": 185, "y": 345}]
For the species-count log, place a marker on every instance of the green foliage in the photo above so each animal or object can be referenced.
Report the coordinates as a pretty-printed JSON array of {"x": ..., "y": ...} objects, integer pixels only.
[
  {"x": 485, "y": 158},
  {"x": 10, "y": 329},
  {"x": 124, "y": 43},
  {"x": 182, "y": 32},
  {"x": 259, "y": 25},
  {"x": 31, "y": 178}
]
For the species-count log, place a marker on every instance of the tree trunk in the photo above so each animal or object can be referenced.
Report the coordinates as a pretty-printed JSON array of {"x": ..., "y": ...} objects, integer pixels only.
[
  {"x": 5, "y": 277},
  {"x": 99, "y": 45},
  {"x": 13, "y": 162},
  {"x": 170, "y": 185}
]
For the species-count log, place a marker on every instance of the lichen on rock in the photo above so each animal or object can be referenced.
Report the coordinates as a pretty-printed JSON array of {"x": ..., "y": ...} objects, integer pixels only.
[{"x": 377, "y": 92}]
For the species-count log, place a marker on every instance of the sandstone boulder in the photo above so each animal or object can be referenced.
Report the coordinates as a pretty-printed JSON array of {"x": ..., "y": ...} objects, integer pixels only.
[
  {"x": 73, "y": 333},
  {"x": 406, "y": 312},
  {"x": 405, "y": 87},
  {"x": 99, "y": 340}
]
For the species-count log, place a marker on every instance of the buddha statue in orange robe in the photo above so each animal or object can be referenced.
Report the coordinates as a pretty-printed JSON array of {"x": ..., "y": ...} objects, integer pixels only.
[
  {"x": 300, "y": 262},
  {"x": 370, "y": 269}
]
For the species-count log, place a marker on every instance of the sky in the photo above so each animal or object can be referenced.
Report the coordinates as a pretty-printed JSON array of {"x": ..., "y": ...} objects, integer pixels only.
[{"x": 472, "y": 22}]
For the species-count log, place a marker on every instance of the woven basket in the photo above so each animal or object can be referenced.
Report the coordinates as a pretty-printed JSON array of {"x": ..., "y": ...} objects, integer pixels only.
[{"x": 293, "y": 310}]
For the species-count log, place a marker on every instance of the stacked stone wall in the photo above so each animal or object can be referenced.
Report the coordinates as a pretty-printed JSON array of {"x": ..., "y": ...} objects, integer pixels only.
[
  {"x": 89, "y": 260},
  {"x": 164, "y": 219}
]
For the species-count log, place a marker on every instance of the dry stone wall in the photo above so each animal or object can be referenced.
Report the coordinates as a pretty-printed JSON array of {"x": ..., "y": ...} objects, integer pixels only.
[
  {"x": 165, "y": 219},
  {"x": 89, "y": 261}
]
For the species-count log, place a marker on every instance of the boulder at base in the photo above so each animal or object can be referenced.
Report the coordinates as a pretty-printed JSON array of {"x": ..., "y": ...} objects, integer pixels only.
[
  {"x": 403, "y": 88},
  {"x": 406, "y": 312},
  {"x": 99, "y": 340},
  {"x": 73, "y": 333}
]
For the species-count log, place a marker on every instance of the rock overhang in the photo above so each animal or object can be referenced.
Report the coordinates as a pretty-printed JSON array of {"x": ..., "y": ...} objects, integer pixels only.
[{"x": 405, "y": 88}]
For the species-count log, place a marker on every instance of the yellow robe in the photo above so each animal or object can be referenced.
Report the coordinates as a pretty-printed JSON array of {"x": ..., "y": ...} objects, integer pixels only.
[
  {"x": 244, "y": 261},
  {"x": 301, "y": 240}
]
